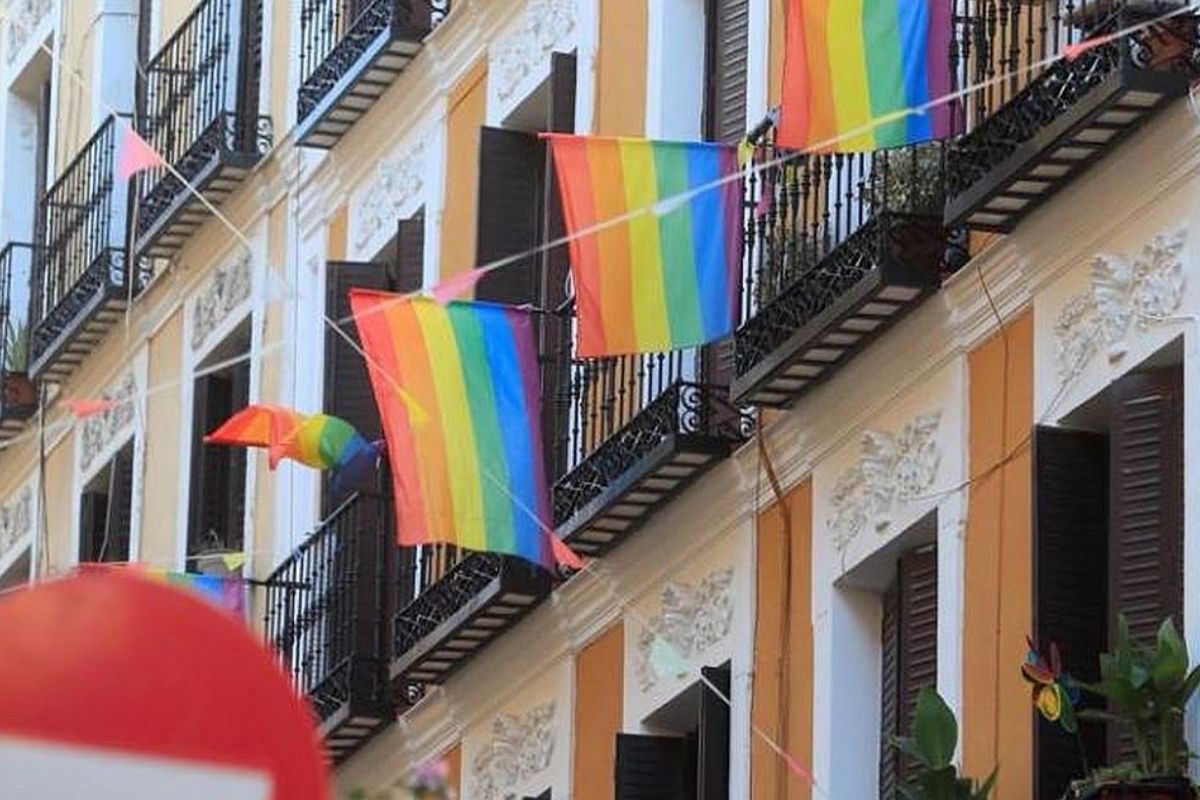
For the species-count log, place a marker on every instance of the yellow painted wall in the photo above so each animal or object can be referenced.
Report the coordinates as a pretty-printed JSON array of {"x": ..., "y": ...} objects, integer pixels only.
[
  {"x": 467, "y": 113},
  {"x": 338, "y": 237},
  {"x": 997, "y": 719},
  {"x": 600, "y": 683},
  {"x": 74, "y": 70},
  {"x": 778, "y": 30},
  {"x": 621, "y": 68},
  {"x": 163, "y": 475},
  {"x": 59, "y": 504},
  {"x": 282, "y": 100},
  {"x": 171, "y": 14},
  {"x": 782, "y": 704}
]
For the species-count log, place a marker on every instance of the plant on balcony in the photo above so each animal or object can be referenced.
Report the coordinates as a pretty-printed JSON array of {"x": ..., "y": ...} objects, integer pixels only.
[
  {"x": 1147, "y": 690},
  {"x": 16, "y": 348},
  {"x": 931, "y": 745},
  {"x": 909, "y": 180}
]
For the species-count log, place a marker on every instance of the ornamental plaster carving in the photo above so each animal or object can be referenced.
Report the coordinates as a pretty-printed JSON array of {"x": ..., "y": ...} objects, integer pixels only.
[
  {"x": 1124, "y": 296},
  {"x": 102, "y": 429},
  {"x": 16, "y": 519},
  {"x": 891, "y": 469},
  {"x": 521, "y": 747},
  {"x": 543, "y": 24},
  {"x": 228, "y": 288},
  {"x": 397, "y": 183},
  {"x": 24, "y": 18},
  {"x": 692, "y": 620}
]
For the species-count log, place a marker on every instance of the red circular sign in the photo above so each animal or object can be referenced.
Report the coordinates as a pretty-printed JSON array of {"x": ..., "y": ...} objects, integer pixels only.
[{"x": 138, "y": 679}]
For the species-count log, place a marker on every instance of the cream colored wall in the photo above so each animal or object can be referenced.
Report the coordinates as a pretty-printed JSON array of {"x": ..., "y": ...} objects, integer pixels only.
[
  {"x": 170, "y": 14},
  {"x": 164, "y": 421},
  {"x": 73, "y": 75}
]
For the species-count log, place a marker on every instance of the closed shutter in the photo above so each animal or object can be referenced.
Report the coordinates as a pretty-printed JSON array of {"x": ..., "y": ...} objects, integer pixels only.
[
  {"x": 1146, "y": 506},
  {"x": 410, "y": 254},
  {"x": 726, "y": 64},
  {"x": 555, "y": 331},
  {"x": 511, "y": 170},
  {"x": 120, "y": 506},
  {"x": 889, "y": 702},
  {"x": 1070, "y": 524},
  {"x": 213, "y": 400},
  {"x": 650, "y": 767},
  {"x": 91, "y": 524},
  {"x": 347, "y": 382},
  {"x": 713, "y": 760},
  {"x": 918, "y": 636}
]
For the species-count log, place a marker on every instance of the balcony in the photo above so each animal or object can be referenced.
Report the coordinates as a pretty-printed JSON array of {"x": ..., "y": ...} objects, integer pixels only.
[
  {"x": 19, "y": 399},
  {"x": 200, "y": 111},
  {"x": 458, "y": 613},
  {"x": 1028, "y": 137},
  {"x": 839, "y": 249},
  {"x": 637, "y": 431},
  {"x": 351, "y": 51},
  {"x": 328, "y": 615},
  {"x": 82, "y": 278}
]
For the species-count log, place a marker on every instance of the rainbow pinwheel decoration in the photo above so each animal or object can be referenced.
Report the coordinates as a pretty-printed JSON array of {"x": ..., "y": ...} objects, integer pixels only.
[
  {"x": 320, "y": 441},
  {"x": 1055, "y": 693}
]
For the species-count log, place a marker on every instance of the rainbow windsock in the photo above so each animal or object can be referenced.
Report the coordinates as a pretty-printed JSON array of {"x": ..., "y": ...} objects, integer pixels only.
[
  {"x": 669, "y": 276},
  {"x": 473, "y": 473},
  {"x": 849, "y": 64},
  {"x": 320, "y": 441}
]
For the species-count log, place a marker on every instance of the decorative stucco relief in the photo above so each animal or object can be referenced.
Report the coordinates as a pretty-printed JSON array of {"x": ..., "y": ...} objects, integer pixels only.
[
  {"x": 228, "y": 288},
  {"x": 1124, "y": 295},
  {"x": 521, "y": 748},
  {"x": 102, "y": 429},
  {"x": 692, "y": 619},
  {"x": 397, "y": 183},
  {"x": 24, "y": 17},
  {"x": 891, "y": 469},
  {"x": 16, "y": 519},
  {"x": 543, "y": 24}
]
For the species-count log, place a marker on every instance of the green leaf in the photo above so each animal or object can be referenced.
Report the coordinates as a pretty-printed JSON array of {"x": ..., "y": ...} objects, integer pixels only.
[
  {"x": 985, "y": 791},
  {"x": 935, "y": 729},
  {"x": 1067, "y": 716},
  {"x": 1170, "y": 659}
]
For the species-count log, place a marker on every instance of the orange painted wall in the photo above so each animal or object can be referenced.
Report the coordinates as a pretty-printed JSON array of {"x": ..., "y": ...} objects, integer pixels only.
[
  {"x": 338, "y": 236},
  {"x": 782, "y": 705},
  {"x": 778, "y": 29},
  {"x": 453, "y": 759},
  {"x": 599, "y": 689},
  {"x": 997, "y": 719},
  {"x": 621, "y": 68},
  {"x": 467, "y": 114}
]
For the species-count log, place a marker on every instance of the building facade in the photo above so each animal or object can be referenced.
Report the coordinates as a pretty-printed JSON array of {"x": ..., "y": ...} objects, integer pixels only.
[{"x": 954, "y": 413}]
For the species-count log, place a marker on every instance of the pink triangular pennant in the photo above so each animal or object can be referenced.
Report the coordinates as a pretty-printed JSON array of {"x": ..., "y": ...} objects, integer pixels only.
[
  {"x": 82, "y": 409},
  {"x": 136, "y": 155},
  {"x": 456, "y": 287},
  {"x": 564, "y": 555}
]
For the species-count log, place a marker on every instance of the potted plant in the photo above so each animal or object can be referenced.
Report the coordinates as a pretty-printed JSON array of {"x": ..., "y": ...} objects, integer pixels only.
[
  {"x": 931, "y": 745},
  {"x": 20, "y": 396},
  {"x": 1146, "y": 690}
]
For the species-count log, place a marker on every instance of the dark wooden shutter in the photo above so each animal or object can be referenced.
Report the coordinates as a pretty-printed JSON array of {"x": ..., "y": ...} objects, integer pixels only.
[
  {"x": 1070, "y": 563},
  {"x": 918, "y": 635},
  {"x": 119, "y": 514},
  {"x": 889, "y": 703},
  {"x": 1146, "y": 507},
  {"x": 213, "y": 399},
  {"x": 410, "y": 253},
  {"x": 650, "y": 767},
  {"x": 555, "y": 331},
  {"x": 713, "y": 778},
  {"x": 511, "y": 170},
  {"x": 726, "y": 61},
  {"x": 92, "y": 511},
  {"x": 347, "y": 382}
]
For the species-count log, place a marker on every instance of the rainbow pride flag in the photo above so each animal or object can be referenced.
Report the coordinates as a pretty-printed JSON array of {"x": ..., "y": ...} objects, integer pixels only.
[
  {"x": 472, "y": 474},
  {"x": 662, "y": 280},
  {"x": 226, "y": 593},
  {"x": 851, "y": 63}
]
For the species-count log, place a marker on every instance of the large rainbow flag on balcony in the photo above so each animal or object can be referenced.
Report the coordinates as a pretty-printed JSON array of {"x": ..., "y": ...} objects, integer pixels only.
[
  {"x": 472, "y": 473},
  {"x": 849, "y": 64},
  {"x": 668, "y": 276}
]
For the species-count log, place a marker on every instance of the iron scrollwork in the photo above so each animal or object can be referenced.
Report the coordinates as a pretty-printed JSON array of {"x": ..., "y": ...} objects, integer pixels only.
[{"x": 458, "y": 587}]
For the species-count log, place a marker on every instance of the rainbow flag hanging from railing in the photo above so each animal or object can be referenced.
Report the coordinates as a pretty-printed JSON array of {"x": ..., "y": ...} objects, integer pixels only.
[
  {"x": 472, "y": 473},
  {"x": 668, "y": 277},
  {"x": 849, "y": 64}
]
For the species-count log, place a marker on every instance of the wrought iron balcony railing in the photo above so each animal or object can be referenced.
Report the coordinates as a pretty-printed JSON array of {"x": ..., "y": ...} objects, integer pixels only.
[
  {"x": 199, "y": 105},
  {"x": 328, "y": 612},
  {"x": 1036, "y": 122},
  {"x": 19, "y": 399},
  {"x": 351, "y": 51},
  {"x": 640, "y": 430},
  {"x": 838, "y": 249},
  {"x": 82, "y": 278}
]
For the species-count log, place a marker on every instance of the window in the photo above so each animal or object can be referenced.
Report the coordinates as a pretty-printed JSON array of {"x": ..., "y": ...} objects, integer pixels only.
[
  {"x": 908, "y": 650},
  {"x": 1108, "y": 539},
  {"x": 17, "y": 575},
  {"x": 218, "y": 479},
  {"x": 26, "y": 149},
  {"x": 689, "y": 760},
  {"x": 105, "y": 511}
]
